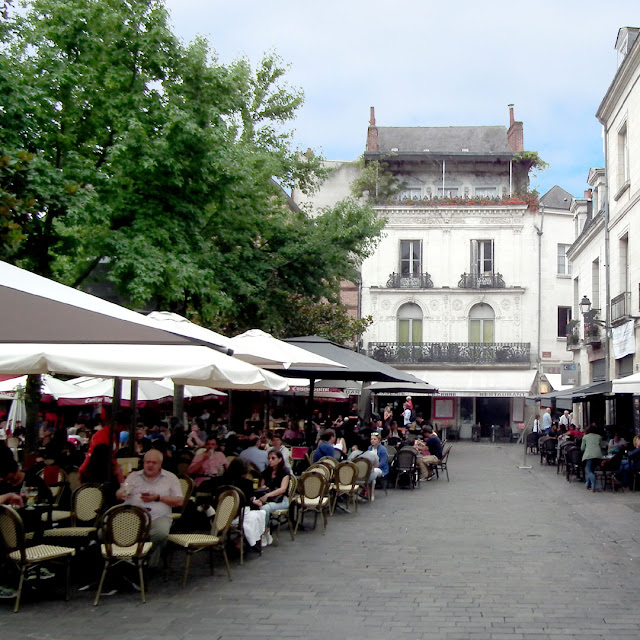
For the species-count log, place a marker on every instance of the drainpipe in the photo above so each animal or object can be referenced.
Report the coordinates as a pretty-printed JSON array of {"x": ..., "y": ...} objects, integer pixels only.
[
  {"x": 443, "y": 169},
  {"x": 607, "y": 278},
  {"x": 510, "y": 178},
  {"x": 540, "y": 231}
]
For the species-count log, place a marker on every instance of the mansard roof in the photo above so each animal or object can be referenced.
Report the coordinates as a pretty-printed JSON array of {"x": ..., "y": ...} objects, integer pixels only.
[
  {"x": 444, "y": 140},
  {"x": 557, "y": 198}
]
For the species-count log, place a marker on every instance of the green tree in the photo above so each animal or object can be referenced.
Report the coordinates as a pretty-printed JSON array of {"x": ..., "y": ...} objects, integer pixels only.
[{"x": 169, "y": 168}]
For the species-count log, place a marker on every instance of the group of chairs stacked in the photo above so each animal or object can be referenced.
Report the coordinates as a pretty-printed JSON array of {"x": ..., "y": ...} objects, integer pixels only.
[{"x": 567, "y": 458}]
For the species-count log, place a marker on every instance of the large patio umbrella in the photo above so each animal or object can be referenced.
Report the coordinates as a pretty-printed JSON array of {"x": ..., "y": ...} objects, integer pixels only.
[
  {"x": 52, "y": 388},
  {"x": 263, "y": 350},
  {"x": 34, "y": 309},
  {"x": 356, "y": 367}
]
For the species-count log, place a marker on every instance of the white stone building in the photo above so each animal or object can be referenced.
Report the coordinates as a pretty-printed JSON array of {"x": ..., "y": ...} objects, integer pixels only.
[{"x": 468, "y": 288}]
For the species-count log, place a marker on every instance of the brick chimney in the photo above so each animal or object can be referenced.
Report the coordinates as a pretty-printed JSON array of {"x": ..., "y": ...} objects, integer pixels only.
[
  {"x": 372, "y": 133},
  {"x": 588, "y": 194},
  {"x": 515, "y": 136}
]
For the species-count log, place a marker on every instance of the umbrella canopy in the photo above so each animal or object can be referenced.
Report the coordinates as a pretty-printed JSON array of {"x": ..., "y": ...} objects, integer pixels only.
[
  {"x": 392, "y": 388},
  {"x": 52, "y": 388},
  {"x": 183, "y": 364},
  {"x": 87, "y": 390},
  {"x": 630, "y": 384},
  {"x": 17, "y": 414},
  {"x": 179, "y": 325},
  {"x": 34, "y": 309},
  {"x": 262, "y": 349},
  {"x": 355, "y": 365}
]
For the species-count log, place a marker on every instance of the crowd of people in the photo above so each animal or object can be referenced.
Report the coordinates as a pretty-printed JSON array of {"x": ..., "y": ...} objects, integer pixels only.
[
  {"x": 554, "y": 439},
  {"x": 256, "y": 460}
]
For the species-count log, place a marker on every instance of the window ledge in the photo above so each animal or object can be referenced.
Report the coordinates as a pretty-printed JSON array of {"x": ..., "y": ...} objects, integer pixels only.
[
  {"x": 566, "y": 276},
  {"x": 621, "y": 190}
]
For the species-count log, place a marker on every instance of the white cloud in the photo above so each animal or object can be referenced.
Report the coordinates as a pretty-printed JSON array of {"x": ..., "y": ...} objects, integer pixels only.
[{"x": 433, "y": 64}]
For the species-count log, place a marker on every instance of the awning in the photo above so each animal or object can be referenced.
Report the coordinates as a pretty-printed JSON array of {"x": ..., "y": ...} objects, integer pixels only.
[
  {"x": 585, "y": 390},
  {"x": 630, "y": 384},
  {"x": 487, "y": 383},
  {"x": 555, "y": 382}
]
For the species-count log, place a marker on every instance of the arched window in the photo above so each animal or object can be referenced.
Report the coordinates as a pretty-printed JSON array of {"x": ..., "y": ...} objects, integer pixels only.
[
  {"x": 410, "y": 323},
  {"x": 481, "y": 324}
]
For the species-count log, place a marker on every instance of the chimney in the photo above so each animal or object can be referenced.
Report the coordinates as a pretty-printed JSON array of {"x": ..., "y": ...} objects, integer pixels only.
[
  {"x": 515, "y": 136},
  {"x": 588, "y": 194},
  {"x": 372, "y": 133}
]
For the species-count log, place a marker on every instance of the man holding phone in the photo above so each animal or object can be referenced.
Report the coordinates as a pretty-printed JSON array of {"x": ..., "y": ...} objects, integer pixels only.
[{"x": 157, "y": 491}]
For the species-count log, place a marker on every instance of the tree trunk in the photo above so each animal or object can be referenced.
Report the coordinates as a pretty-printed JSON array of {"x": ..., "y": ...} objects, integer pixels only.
[{"x": 32, "y": 402}]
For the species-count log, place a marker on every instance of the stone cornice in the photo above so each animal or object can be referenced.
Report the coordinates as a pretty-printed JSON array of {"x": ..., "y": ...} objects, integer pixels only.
[
  {"x": 452, "y": 216},
  {"x": 620, "y": 82},
  {"x": 596, "y": 227}
]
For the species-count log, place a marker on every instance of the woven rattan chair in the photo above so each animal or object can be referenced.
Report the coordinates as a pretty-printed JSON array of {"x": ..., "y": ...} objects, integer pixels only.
[
  {"x": 332, "y": 462},
  {"x": 226, "y": 510},
  {"x": 312, "y": 496},
  {"x": 364, "y": 473},
  {"x": 86, "y": 505},
  {"x": 186, "y": 485},
  {"x": 125, "y": 534},
  {"x": 58, "y": 489},
  {"x": 282, "y": 516},
  {"x": 28, "y": 559},
  {"x": 346, "y": 484},
  {"x": 236, "y": 528},
  {"x": 406, "y": 466},
  {"x": 320, "y": 467}
]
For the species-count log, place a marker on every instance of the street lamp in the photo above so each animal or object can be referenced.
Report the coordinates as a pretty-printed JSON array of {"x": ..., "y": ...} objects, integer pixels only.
[{"x": 585, "y": 305}]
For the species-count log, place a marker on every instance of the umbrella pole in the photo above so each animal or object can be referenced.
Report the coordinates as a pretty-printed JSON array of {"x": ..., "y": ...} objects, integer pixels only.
[
  {"x": 309, "y": 434},
  {"x": 115, "y": 410},
  {"x": 134, "y": 416},
  {"x": 265, "y": 413},
  {"x": 178, "y": 403}
]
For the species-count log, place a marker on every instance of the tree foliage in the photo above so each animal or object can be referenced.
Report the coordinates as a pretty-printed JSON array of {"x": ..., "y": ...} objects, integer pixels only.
[
  {"x": 376, "y": 180},
  {"x": 120, "y": 145}
]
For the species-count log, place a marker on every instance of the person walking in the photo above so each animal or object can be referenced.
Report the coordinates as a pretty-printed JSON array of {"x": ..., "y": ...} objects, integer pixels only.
[{"x": 591, "y": 448}]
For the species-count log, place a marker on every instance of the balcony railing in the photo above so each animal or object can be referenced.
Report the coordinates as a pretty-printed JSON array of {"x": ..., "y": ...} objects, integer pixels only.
[
  {"x": 451, "y": 352},
  {"x": 621, "y": 306},
  {"x": 409, "y": 281},
  {"x": 482, "y": 281}
]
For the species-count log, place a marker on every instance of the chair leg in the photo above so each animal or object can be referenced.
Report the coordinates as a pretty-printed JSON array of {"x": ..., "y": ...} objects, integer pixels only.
[
  {"x": 68, "y": 596},
  {"x": 141, "y": 577},
  {"x": 20, "y": 585},
  {"x": 101, "y": 584},
  {"x": 226, "y": 563},
  {"x": 242, "y": 544},
  {"x": 187, "y": 566}
]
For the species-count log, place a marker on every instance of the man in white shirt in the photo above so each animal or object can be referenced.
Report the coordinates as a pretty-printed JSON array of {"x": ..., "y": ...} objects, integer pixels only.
[
  {"x": 157, "y": 491},
  {"x": 546, "y": 420}
]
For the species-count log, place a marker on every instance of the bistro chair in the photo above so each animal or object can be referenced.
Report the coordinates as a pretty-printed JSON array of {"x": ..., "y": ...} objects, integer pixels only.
[
  {"x": 346, "y": 484},
  {"x": 312, "y": 496},
  {"x": 125, "y": 535},
  {"x": 28, "y": 559},
  {"x": 127, "y": 465},
  {"x": 186, "y": 485},
  {"x": 226, "y": 510},
  {"x": 56, "y": 479},
  {"x": 86, "y": 505},
  {"x": 236, "y": 528},
  {"x": 320, "y": 467},
  {"x": 364, "y": 467},
  {"x": 283, "y": 516},
  {"x": 442, "y": 465},
  {"x": 406, "y": 466},
  {"x": 573, "y": 462}
]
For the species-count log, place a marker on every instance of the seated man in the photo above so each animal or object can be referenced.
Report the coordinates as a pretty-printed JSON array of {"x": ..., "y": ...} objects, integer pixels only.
[
  {"x": 325, "y": 447},
  {"x": 255, "y": 453},
  {"x": 157, "y": 491},
  {"x": 209, "y": 463},
  {"x": 430, "y": 452}
]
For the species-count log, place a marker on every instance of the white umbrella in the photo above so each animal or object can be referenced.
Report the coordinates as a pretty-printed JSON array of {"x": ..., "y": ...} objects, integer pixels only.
[
  {"x": 263, "y": 350},
  {"x": 179, "y": 325},
  {"x": 17, "y": 414},
  {"x": 183, "y": 364},
  {"x": 52, "y": 388},
  {"x": 630, "y": 384}
]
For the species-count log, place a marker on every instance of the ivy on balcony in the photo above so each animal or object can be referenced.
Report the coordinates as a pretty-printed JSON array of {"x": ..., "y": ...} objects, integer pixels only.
[{"x": 530, "y": 198}]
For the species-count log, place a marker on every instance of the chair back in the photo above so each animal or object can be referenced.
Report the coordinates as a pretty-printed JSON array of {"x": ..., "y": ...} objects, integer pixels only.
[
  {"x": 86, "y": 504},
  {"x": 346, "y": 473},
  {"x": 12, "y": 531},
  {"x": 226, "y": 510},
  {"x": 312, "y": 486},
  {"x": 56, "y": 479},
  {"x": 186, "y": 486},
  {"x": 125, "y": 525},
  {"x": 329, "y": 460},
  {"x": 127, "y": 465},
  {"x": 293, "y": 486},
  {"x": 319, "y": 467},
  {"x": 364, "y": 467},
  {"x": 406, "y": 459},
  {"x": 391, "y": 452},
  {"x": 445, "y": 455}
]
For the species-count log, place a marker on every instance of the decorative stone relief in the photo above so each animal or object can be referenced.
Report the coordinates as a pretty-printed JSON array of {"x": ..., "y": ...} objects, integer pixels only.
[
  {"x": 457, "y": 305},
  {"x": 434, "y": 305},
  {"x": 385, "y": 305},
  {"x": 505, "y": 304}
]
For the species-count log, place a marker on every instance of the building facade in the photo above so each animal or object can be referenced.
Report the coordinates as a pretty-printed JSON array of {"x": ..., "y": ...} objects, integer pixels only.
[{"x": 468, "y": 286}]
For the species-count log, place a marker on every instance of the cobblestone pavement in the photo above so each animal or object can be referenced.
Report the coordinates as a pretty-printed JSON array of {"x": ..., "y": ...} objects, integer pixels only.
[{"x": 498, "y": 553}]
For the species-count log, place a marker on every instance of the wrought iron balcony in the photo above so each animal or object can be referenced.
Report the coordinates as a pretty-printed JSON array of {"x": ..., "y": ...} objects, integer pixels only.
[
  {"x": 573, "y": 335},
  {"x": 481, "y": 281},
  {"x": 621, "y": 307},
  {"x": 451, "y": 352},
  {"x": 409, "y": 281}
]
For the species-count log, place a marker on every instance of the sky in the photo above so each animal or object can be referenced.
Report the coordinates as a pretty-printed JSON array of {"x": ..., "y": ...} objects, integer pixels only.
[{"x": 432, "y": 63}]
